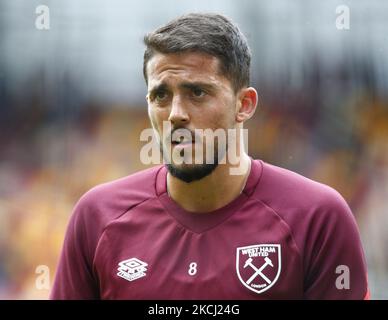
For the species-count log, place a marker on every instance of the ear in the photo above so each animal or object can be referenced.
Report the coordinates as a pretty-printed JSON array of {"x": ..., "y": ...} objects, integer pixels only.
[{"x": 247, "y": 104}]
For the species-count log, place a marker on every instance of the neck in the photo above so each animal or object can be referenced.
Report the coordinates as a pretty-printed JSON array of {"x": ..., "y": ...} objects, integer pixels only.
[{"x": 212, "y": 192}]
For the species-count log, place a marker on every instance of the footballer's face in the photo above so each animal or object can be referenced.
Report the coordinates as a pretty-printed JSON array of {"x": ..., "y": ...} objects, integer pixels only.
[{"x": 187, "y": 92}]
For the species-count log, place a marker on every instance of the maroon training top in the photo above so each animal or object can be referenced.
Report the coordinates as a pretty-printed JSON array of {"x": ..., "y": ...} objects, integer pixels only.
[{"x": 283, "y": 237}]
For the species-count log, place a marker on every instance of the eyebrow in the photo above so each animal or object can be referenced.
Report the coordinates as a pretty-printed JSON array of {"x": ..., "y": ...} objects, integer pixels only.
[
  {"x": 197, "y": 85},
  {"x": 159, "y": 87},
  {"x": 184, "y": 85}
]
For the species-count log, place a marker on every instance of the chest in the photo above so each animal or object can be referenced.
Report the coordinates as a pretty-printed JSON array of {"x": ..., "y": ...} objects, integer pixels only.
[{"x": 236, "y": 260}]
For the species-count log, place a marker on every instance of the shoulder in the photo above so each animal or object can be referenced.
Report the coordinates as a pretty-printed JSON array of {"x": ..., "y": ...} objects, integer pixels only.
[
  {"x": 103, "y": 204},
  {"x": 284, "y": 190},
  {"x": 309, "y": 208},
  {"x": 132, "y": 188},
  {"x": 108, "y": 201},
  {"x": 322, "y": 226}
]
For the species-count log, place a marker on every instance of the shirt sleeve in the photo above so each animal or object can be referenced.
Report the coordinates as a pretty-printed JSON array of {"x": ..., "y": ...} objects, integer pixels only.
[
  {"x": 337, "y": 267},
  {"x": 74, "y": 276}
]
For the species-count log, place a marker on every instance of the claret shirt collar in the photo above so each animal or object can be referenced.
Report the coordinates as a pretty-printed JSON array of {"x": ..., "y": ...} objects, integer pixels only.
[{"x": 201, "y": 222}]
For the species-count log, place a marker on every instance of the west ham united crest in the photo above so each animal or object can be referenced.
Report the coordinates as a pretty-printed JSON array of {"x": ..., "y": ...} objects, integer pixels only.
[{"x": 258, "y": 266}]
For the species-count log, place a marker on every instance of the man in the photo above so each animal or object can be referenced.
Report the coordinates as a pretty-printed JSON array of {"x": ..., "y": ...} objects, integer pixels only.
[{"x": 189, "y": 230}]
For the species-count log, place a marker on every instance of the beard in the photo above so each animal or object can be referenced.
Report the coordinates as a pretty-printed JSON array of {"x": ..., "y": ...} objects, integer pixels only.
[{"x": 194, "y": 172}]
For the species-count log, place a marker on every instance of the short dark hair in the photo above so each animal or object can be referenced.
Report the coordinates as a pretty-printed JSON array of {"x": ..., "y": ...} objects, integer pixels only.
[{"x": 213, "y": 34}]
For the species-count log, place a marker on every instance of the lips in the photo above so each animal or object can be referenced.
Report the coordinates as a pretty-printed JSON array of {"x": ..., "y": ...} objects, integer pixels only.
[
  {"x": 183, "y": 144},
  {"x": 182, "y": 138},
  {"x": 182, "y": 141}
]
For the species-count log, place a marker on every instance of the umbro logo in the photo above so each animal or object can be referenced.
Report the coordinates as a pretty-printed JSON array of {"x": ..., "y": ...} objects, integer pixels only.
[{"x": 132, "y": 269}]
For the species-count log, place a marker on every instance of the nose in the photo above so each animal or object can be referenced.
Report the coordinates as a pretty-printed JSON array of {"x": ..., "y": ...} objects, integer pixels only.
[{"x": 178, "y": 113}]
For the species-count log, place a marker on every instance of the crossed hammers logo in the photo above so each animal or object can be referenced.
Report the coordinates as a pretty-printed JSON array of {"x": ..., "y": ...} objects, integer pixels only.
[{"x": 258, "y": 271}]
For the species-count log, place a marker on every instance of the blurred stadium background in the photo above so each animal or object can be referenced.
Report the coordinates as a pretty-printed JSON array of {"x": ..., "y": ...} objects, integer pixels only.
[{"x": 72, "y": 107}]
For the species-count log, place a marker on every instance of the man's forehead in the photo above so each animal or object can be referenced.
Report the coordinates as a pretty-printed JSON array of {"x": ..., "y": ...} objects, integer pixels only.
[
  {"x": 186, "y": 61},
  {"x": 187, "y": 67}
]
